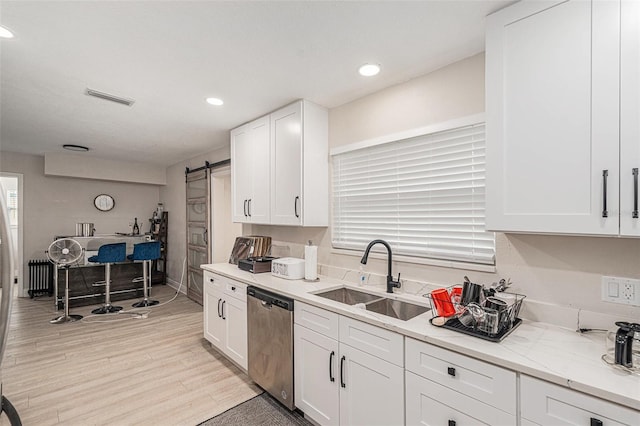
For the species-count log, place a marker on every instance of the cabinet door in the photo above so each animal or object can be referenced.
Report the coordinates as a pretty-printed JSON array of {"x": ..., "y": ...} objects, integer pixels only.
[
  {"x": 286, "y": 165},
  {"x": 234, "y": 313},
  {"x": 317, "y": 377},
  {"x": 373, "y": 392},
  {"x": 214, "y": 326},
  {"x": 258, "y": 207},
  {"x": 241, "y": 169},
  {"x": 552, "y": 81},
  {"x": 629, "y": 117},
  {"x": 428, "y": 403}
]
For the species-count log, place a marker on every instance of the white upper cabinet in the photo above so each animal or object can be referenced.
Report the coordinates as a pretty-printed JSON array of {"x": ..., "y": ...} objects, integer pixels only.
[
  {"x": 250, "y": 171},
  {"x": 629, "y": 117},
  {"x": 285, "y": 156},
  {"x": 553, "y": 139},
  {"x": 300, "y": 165}
]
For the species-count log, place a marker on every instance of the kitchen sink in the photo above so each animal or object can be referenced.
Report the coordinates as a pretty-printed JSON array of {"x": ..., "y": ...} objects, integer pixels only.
[
  {"x": 396, "y": 309},
  {"x": 375, "y": 303},
  {"x": 348, "y": 296}
]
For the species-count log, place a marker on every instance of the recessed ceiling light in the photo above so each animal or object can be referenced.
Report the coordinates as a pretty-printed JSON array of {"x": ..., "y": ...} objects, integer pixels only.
[
  {"x": 215, "y": 101},
  {"x": 78, "y": 148},
  {"x": 5, "y": 33},
  {"x": 369, "y": 70}
]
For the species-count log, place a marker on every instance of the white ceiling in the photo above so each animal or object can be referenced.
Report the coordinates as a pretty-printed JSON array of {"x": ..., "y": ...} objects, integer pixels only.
[{"x": 170, "y": 55}]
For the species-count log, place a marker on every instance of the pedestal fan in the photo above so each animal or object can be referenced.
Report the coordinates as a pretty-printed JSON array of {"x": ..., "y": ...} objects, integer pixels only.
[{"x": 63, "y": 253}]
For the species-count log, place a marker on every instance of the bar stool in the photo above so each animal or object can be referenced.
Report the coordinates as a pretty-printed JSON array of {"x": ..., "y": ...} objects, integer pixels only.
[
  {"x": 108, "y": 254},
  {"x": 146, "y": 252}
]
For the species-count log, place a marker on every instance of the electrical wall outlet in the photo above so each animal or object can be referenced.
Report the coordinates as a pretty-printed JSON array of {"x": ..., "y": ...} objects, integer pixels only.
[{"x": 625, "y": 291}]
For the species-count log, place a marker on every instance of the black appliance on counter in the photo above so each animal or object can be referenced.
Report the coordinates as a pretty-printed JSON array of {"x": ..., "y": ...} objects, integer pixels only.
[
  {"x": 256, "y": 265},
  {"x": 624, "y": 343}
]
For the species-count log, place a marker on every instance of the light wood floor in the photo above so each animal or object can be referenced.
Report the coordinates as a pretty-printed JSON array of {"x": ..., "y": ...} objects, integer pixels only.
[{"x": 153, "y": 371}]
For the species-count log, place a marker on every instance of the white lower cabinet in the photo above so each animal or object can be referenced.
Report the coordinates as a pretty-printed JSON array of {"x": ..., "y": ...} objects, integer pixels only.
[
  {"x": 429, "y": 403},
  {"x": 446, "y": 388},
  {"x": 371, "y": 389},
  {"x": 544, "y": 403},
  {"x": 338, "y": 383},
  {"x": 225, "y": 316}
]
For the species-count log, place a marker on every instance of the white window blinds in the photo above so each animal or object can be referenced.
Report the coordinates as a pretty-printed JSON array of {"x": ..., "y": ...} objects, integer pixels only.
[{"x": 424, "y": 195}]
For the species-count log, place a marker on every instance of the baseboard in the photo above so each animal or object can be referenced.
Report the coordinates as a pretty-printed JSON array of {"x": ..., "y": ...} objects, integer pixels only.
[{"x": 176, "y": 285}]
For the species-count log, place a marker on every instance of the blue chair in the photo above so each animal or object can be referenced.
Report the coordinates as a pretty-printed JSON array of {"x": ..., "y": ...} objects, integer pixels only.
[
  {"x": 146, "y": 252},
  {"x": 108, "y": 254}
]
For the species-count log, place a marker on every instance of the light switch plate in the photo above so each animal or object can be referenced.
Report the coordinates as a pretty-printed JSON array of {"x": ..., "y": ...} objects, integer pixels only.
[{"x": 625, "y": 291}]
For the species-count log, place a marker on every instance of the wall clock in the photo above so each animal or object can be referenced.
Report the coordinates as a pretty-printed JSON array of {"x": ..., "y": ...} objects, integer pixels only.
[{"x": 104, "y": 202}]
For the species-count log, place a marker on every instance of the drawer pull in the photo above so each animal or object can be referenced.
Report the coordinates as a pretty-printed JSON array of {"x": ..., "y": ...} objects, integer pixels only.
[
  {"x": 595, "y": 422},
  {"x": 451, "y": 371},
  {"x": 219, "y": 314},
  {"x": 223, "y": 302},
  {"x": 342, "y": 372},
  {"x": 233, "y": 288},
  {"x": 452, "y": 423}
]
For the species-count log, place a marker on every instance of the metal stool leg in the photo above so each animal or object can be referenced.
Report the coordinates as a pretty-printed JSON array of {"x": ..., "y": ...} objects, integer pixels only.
[
  {"x": 146, "y": 277},
  {"x": 66, "y": 317},
  {"x": 107, "y": 308}
]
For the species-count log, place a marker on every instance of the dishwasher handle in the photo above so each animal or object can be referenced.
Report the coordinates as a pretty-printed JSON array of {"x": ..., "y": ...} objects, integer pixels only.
[{"x": 269, "y": 298}]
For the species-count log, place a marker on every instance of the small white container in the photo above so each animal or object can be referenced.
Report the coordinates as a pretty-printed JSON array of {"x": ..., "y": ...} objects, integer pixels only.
[{"x": 290, "y": 268}]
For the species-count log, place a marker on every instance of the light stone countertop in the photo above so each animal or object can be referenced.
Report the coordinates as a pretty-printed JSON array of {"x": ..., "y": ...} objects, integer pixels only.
[{"x": 541, "y": 350}]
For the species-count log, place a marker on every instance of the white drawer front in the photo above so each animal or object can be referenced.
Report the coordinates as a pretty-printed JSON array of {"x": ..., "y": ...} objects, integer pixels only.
[
  {"x": 236, "y": 289},
  {"x": 316, "y": 319},
  {"x": 545, "y": 404},
  {"x": 428, "y": 403},
  {"x": 373, "y": 340},
  {"x": 215, "y": 281},
  {"x": 485, "y": 382}
]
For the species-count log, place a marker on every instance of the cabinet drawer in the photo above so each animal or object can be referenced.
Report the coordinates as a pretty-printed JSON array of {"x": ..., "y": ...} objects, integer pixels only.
[
  {"x": 428, "y": 403},
  {"x": 492, "y": 385},
  {"x": 235, "y": 289},
  {"x": 213, "y": 281},
  {"x": 316, "y": 319},
  {"x": 545, "y": 403},
  {"x": 376, "y": 341}
]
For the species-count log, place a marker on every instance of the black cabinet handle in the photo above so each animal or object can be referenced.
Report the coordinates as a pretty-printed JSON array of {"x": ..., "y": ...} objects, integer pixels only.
[
  {"x": 249, "y": 207},
  {"x": 605, "y": 174},
  {"x": 342, "y": 371},
  {"x": 295, "y": 205},
  {"x": 451, "y": 371},
  {"x": 244, "y": 207},
  {"x": 634, "y": 214},
  {"x": 211, "y": 279},
  {"x": 595, "y": 422},
  {"x": 233, "y": 288},
  {"x": 331, "y": 378},
  {"x": 452, "y": 423},
  {"x": 219, "y": 314},
  {"x": 223, "y": 302}
]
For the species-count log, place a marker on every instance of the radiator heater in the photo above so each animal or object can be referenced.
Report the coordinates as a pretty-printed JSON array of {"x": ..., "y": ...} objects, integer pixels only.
[{"x": 40, "y": 277}]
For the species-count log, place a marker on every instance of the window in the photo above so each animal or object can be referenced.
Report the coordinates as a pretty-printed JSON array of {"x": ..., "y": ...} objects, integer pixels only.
[{"x": 423, "y": 194}]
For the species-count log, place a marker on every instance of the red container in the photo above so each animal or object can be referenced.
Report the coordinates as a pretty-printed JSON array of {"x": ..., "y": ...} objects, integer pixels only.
[{"x": 442, "y": 302}]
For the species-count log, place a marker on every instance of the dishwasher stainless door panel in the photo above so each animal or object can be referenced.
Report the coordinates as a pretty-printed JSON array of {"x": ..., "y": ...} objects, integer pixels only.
[{"x": 270, "y": 348}]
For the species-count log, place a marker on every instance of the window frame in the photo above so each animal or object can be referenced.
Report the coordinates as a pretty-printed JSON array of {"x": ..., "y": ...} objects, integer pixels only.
[{"x": 400, "y": 136}]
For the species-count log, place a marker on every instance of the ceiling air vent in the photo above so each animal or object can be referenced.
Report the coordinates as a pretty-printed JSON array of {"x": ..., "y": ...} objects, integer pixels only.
[{"x": 109, "y": 97}]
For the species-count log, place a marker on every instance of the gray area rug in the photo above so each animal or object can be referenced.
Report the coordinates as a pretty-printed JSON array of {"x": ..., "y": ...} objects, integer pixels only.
[{"x": 259, "y": 410}]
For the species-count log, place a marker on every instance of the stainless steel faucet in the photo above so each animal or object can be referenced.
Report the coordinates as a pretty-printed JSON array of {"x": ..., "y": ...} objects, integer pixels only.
[{"x": 390, "y": 281}]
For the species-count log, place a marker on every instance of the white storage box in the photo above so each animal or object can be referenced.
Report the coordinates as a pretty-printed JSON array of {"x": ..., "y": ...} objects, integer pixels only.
[{"x": 288, "y": 267}]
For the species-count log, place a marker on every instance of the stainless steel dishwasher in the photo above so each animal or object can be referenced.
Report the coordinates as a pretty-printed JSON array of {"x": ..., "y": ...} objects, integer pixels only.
[{"x": 270, "y": 343}]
